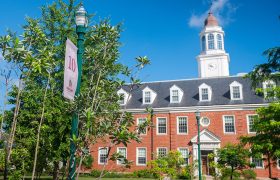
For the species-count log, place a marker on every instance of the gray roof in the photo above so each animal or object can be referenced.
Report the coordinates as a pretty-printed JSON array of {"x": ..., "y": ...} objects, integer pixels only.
[{"x": 220, "y": 93}]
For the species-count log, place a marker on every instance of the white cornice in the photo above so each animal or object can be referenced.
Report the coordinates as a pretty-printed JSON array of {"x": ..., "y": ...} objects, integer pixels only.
[{"x": 201, "y": 108}]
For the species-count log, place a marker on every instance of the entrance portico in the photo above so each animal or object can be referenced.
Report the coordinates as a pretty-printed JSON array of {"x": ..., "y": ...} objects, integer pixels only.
[{"x": 209, "y": 143}]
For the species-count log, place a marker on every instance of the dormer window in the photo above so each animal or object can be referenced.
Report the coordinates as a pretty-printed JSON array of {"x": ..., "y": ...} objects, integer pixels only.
[
  {"x": 236, "y": 91},
  {"x": 123, "y": 97},
  {"x": 176, "y": 94},
  {"x": 268, "y": 89},
  {"x": 148, "y": 96},
  {"x": 205, "y": 92},
  {"x": 121, "y": 101},
  {"x": 211, "y": 41}
]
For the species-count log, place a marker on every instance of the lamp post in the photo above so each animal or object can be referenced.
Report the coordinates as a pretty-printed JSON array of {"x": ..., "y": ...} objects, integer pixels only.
[
  {"x": 197, "y": 115},
  {"x": 81, "y": 25}
]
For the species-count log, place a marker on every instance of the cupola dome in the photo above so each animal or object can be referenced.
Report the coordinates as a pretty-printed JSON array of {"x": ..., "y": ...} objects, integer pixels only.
[{"x": 211, "y": 20}]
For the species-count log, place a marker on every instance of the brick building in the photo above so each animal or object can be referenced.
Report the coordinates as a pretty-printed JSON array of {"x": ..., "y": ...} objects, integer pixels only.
[{"x": 227, "y": 105}]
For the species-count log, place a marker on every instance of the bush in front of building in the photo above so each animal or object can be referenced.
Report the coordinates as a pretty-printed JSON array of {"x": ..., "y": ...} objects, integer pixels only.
[
  {"x": 145, "y": 173},
  {"x": 187, "y": 172},
  {"x": 249, "y": 174},
  {"x": 169, "y": 165}
]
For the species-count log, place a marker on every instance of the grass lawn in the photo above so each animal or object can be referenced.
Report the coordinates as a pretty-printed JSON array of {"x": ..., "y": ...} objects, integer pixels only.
[{"x": 88, "y": 178}]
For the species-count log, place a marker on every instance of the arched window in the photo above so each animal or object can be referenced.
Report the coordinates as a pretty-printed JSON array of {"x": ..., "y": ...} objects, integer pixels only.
[
  {"x": 211, "y": 41},
  {"x": 203, "y": 41},
  {"x": 219, "y": 41}
]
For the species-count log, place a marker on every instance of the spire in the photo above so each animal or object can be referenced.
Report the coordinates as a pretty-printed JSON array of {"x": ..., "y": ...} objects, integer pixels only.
[{"x": 211, "y": 20}]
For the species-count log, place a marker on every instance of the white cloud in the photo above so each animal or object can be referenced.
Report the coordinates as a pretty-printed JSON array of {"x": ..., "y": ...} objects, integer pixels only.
[{"x": 222, "y": 9}]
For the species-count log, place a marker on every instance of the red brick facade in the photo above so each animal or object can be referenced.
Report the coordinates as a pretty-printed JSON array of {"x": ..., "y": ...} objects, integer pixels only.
[{"x": 172, "y": 141}]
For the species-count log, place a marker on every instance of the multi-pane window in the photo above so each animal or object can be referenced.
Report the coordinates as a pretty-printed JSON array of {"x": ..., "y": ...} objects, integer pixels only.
[
  {"x": 204, "y": 94},
  {"x": 185, "y": 154},
  {"x": 258, "y": 162},
  {"x": 251, "y": 119},
  {"x": 229, "y": 124},
  {"x": 147, "y": 97},
  {"x": 103, "y": 152},
  {"x": 141, "y": 121},
  {"x": 122, "y": 152},
  {"x": 236, "y": 92},
  {"x": 203, "y": 41},
  {"x": 182, "y": 125},
  {"x": 141, "y": 156},
  {"x": 211, "y": 41},
  {"x": 161, "y": 126},
  {"x": 121, "y": 100},
  {"x": 175, "y": 95},
  {"x": 219, "y": 41},
  {"x": 162, "y": 152}
]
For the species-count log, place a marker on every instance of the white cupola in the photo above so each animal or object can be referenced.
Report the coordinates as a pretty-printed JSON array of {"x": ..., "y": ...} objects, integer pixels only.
[{"x": 213, "y": 61}]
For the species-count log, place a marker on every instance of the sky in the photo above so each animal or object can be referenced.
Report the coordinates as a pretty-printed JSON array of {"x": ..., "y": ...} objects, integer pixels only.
[{"x": 167, "y": 31}]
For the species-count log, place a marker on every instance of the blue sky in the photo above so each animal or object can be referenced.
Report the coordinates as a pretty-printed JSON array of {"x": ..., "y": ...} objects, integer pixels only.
[{"x": 167, "y": 31}]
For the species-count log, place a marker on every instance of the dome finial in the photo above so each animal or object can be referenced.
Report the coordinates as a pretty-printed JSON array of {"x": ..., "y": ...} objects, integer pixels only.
[{"x": 211, "y": 19}]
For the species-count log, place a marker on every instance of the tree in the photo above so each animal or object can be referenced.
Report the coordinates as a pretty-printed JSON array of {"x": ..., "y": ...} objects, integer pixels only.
[
  {"x": 267, "y": 124},
  {"x": 233, "y": 156},
  {"x": 42, "y": 114}
]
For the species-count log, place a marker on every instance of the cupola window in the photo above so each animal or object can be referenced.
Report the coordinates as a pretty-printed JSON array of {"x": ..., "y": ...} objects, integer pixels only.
[
  {"x": 203, "y": 41},
  {"x": 219, "y": 42},
  {"x": 211, "y": 41}
]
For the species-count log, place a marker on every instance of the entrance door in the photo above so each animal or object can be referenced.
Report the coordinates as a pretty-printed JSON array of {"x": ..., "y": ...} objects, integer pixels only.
[{"x": 206, "y": 169}]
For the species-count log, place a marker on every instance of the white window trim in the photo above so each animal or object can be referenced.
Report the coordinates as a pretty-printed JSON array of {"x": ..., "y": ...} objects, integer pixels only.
[
  {"x": 118, "y": 162},
  {"x": 233, "y": 124},
  {"x": 138, "y": 124},
  {"x": 178, "y": 149},
  {"x": 99, "y": 148},
  {"x": 137, "y": 164},
  {"x": 180, "y": 94},
  {"x": 200, "y": 121},
  {"x": 248, "y": 128},
  {"x": 251, "y": 160},
  {"x": 233, "y": 84},
  {"x": 278, "y": 165},
  {"x": 152, "y": 95},
  {"x": 162, "y": 148},
  {"x": 166, "y": 126},
  {"x": 126, "y": 97},
  {"x": 204, "y": 86},
  {"x": 178, "y": 125}
]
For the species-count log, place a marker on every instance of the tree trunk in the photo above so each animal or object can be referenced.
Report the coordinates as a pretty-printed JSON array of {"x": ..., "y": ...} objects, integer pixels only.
[
  {"x": 39, "y": 130},
  {"x": 56, "y": 171},
  {"x": 269, "y": 166},
  {"x": 231, "y": 174}
]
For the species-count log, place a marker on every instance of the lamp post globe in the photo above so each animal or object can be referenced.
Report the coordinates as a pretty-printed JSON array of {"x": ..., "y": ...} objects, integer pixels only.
[
  {"x": 81, "y": 25},
  {"x": 81, "y": 17},
  {"x": 197, "y": 115}
]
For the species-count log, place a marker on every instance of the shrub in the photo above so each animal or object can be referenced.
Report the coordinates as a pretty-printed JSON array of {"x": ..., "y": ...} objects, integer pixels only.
[
  {"x": 226, "y": 173},
  {"x": 187, "y": 172},
  {"x": 145, "y": 173},
  {"x": 249, "y": 174}
]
